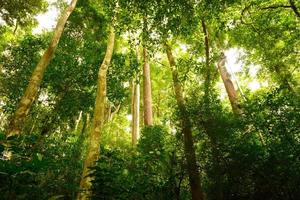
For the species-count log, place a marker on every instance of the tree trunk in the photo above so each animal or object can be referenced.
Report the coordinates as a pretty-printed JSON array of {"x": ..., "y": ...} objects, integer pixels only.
[
  {"x": 148, "y": 121},
  {"x": 77, "y": 148},
  {"x": 158, "y": 112},
  {"x": 32, "y": 89},
  {"x": 192, "y": 168},
  {"x": 231, "y": 92},
  {"x": 135, "y": 111},
  {"x": 78, "y": 121},
  {"x": 98, "y": 121},
  {"x": 113, "y": 113}
]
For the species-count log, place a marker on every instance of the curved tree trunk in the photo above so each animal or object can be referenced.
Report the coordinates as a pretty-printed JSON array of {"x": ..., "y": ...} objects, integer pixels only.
[
  {"x": 231, "y": 92},
  {"x": 99, "y": 118},
  {"x": 147, "y": 96},
  {"x": 32, "y": 89},
  {"x": 192, "y": 168}
]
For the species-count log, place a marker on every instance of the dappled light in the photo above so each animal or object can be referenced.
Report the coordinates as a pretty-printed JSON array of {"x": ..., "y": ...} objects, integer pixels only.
[{"x": 149, "y": 100}]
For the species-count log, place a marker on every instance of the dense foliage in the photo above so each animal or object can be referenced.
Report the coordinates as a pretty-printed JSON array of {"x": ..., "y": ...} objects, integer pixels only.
[{"x": 249, "y": 153}]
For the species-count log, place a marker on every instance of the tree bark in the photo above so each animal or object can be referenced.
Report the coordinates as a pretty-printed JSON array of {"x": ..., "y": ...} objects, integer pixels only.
[
  {"x": 98, "y": 121},
  {"x": 231, "y": 92},
  {"x": 192, "y": 168},
  {"x": 32, "y": 89},
  {"x": 135, "y": 111},
  {"x": 148, "y": 120}
]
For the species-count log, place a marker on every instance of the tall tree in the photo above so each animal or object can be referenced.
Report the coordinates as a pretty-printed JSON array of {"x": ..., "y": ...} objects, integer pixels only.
[
  {"x": 147, "y": 91},
  {"x": 98, "y": 121},
  {"x": 148, "y": 118},
  {"x": 192, "y": 168},
  {"x": 231, "y": 92},
  {"x": 32, "y": 89}
]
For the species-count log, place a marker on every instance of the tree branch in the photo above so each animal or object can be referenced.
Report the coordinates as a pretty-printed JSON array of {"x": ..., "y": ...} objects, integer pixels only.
[
  {"x": 291, "y": 6},
  {"x": 294, "y": 7},
  {"x": 275, "y": 7}
]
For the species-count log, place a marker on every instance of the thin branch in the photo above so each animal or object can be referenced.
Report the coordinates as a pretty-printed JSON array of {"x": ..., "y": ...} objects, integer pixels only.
[
  {"x": 275, "y": 7},
  {"x": 247, "y": 8},
  {"x": 291, "y": 6},
  {"x": 16, "y": 27},
  {"x": 243, "y": 13},
  {"x": 294, "y": 7}
]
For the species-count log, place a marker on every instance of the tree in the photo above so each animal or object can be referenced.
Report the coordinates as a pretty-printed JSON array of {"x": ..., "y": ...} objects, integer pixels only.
[
  {"x": 32, "y": 89},
  {"x": 231, "y": 92},
  {"x": 267, "y": 51},
  {"x": 192, "y": 168},
  {"x": 147, "y": 96},
  {"x": 98, "y": 121},
  {"x": 135, "y": 110},
  {"x": 198, "y": 148},
  {"x": 208, "y": 76}
]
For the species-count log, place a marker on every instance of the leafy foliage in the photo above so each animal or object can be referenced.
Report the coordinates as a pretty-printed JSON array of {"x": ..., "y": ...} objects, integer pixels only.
[
  {"x": 21, "y": 11},
  {"x": 250, "y": 155},
  {"x": 123, "y": 173}
]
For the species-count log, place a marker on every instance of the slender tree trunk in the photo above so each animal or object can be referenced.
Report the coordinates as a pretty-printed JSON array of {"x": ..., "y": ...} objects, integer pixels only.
[
  {"x": 78, "y": 121},
  {"x": 148, "y": 120},
  {"x": 208, "y": 86},
  {"x": 16, "y": 27},
  {"x": 32, "y": 89},
  {"x": 135, "y": 111},
  {"x": 77, "y": 149},
  {"x": 158, "y": 105},
  {"x": 107, "y": 112},
  {"x": 116, "y": 110},
  {"x": 231, "y": 92},
  {"x": 98, "y": 121},
  {"x": 192, "y": 168},
  {"x": 207, "y": 95}
]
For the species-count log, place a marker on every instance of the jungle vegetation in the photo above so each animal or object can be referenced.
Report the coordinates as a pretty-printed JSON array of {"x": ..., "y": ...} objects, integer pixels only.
[{"x": 150, "y": 100}]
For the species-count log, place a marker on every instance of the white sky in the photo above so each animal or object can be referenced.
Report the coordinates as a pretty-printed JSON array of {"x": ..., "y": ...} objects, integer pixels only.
[
  {"x": 233, "y": 64},
  {"x": 47, "y": 20}
]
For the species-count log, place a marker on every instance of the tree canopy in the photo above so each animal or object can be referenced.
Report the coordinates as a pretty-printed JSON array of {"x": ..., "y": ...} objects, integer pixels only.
[{"x": 157, "y": 99}]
